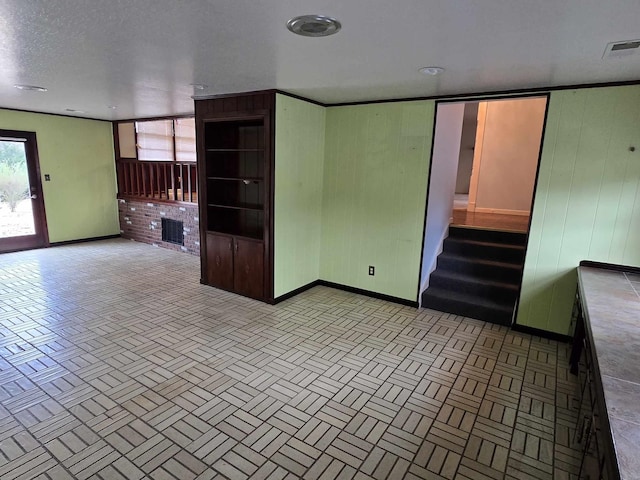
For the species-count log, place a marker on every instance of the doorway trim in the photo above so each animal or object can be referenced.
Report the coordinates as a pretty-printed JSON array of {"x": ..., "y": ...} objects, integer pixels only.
[
  {"x": 41, "y": 237},
  {"x": 477, "y": 157},
  {"x": 480, "y": 98}
]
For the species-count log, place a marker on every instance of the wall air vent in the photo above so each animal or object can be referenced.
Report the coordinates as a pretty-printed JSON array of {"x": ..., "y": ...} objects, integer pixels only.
[
  {"x": 625, "y": 48},
  {"x": 172, "y": 231}
]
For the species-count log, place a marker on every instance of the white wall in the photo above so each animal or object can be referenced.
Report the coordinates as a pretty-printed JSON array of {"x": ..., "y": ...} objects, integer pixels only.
[
  {"x": 508, "y": 154},
  {"x": 444, "y": 169},
  {"x": 467, "y": 144}
]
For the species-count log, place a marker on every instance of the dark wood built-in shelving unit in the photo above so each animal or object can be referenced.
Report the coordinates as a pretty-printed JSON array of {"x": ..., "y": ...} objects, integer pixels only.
[{"x": 235, "y": 173}]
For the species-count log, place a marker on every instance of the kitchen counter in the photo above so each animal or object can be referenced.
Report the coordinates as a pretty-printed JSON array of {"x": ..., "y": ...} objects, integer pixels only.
[{"x": 611, "y": 308}]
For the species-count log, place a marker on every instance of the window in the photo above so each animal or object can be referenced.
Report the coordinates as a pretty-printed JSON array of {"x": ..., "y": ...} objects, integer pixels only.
[
  {"x": 185, "y": 135},
  {"x": 156, "y": 159},
  {"x": 155, "y": 140},
  {"x": 169, "y": 140}
]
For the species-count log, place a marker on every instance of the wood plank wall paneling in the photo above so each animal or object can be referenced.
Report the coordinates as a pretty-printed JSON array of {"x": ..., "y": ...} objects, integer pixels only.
[
  {"x": 300, "y": 142},
  {"x": 587, "y": 202},
  {"x": 243, "y": 103},
  {"x": 375, "y": 181},
  {"x": 78, "y": 155}
]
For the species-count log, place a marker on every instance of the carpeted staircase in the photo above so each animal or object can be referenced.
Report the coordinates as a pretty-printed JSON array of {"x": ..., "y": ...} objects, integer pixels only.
[{"x": 478, "y": 274}]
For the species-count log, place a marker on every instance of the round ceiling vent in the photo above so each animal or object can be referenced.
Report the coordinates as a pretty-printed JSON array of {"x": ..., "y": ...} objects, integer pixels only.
[{"x": 314, "y": 25}]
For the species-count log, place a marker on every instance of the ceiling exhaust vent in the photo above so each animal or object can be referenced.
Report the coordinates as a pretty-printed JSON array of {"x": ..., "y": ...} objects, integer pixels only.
[
  {"x": 626, "y": 48},
  {"x": 314, "y": 26}
]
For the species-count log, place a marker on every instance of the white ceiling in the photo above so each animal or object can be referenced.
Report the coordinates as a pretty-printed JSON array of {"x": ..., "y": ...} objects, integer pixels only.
[{"x": 141, "y": 55}]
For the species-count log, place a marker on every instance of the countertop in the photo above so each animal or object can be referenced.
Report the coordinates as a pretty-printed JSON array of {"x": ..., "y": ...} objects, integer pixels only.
[{"x": 611, "y": 301}]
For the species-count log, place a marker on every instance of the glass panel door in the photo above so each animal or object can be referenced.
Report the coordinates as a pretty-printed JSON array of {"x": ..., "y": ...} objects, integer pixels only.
[
  {"x": 22, "y": 216},
  {"x": 16, "y": 210}
]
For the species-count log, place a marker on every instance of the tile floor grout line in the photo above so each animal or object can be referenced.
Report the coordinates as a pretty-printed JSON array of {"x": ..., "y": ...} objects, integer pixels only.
[
  {"x": 481, "y": 401},
  {"x": 372, "y": 396},
  {"x": 524, "y": 373},
  {"x": 44, "y": 446},
  {"x": 39, "y": 387},
  {"x": 89, "y": 306}
]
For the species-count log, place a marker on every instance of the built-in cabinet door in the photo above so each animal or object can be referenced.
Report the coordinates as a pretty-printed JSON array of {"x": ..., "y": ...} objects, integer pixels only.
[
  {"x": 220, "y": 261},
  {"x": 249, "y": 268}
]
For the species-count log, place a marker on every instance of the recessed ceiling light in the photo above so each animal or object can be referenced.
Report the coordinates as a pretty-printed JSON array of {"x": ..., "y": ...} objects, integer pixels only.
[
  {"x": 31, "y": 88},
  {"x": 73, "y": 110},
  {"x": 431, "y": 70},
  {"x": 198, "y": 86},
  {"x": 314, "y": 26},
  {"x": 111, "y": 107}
]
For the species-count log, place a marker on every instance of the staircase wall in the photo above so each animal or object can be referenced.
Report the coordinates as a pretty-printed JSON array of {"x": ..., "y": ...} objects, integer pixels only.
[{"x": 444, "y": 167}]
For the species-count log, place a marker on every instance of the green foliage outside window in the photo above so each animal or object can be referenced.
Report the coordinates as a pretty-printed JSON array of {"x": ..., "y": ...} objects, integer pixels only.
[{"x": 14, "y": 181}]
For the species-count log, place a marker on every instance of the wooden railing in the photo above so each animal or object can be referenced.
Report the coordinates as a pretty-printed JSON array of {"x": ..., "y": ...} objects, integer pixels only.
[{"x": 167, "y": 181}]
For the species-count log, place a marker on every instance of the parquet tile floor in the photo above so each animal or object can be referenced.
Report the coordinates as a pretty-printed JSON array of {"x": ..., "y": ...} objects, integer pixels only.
[{"x": 115, "y": 363}]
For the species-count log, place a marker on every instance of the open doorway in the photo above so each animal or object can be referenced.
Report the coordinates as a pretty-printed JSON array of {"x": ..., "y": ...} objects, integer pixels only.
[
  {"x": 497, "y": 165},
  {"x": 481, "y": 185}
]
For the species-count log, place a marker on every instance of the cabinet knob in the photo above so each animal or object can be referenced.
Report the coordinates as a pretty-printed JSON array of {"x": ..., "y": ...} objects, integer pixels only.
[{"x": 236, "y": 247}]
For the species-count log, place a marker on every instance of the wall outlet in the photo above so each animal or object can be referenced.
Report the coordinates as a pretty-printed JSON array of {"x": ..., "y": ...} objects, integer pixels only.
[{"x": 372, "y": 270}]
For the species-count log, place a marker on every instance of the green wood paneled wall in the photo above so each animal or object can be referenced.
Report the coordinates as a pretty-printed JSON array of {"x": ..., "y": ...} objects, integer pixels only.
[
  {"x": 300, "y": 145},
  {"x": 587, "y": 203},
  {"x": 375, "y": 181},
  {"x": 80, "y": 200}
]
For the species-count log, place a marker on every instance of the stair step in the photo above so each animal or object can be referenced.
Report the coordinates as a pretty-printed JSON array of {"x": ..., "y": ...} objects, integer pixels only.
[
  {"x": 485, "y": 250},
  {"x": 480, "y": 268},
  {"x": 496, "y": 290},
  {"x": 470, "y": 306},
  {"x": 497, "y": 236}
]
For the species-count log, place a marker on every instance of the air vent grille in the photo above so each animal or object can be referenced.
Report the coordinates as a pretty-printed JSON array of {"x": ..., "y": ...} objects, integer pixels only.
[
  {"x": 172, "y": 231},
  {"x": 624, "y": 48}
]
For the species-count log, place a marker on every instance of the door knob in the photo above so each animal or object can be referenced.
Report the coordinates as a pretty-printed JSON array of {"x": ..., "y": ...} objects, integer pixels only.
[{"x": 33, "y": 197}]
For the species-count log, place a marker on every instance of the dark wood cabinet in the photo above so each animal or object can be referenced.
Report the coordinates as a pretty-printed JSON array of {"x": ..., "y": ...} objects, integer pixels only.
[
  {"x": 235, "y": 264},
  {"x": 220, "y": 261},
  {"x": 248, "y": 271},
  {"x": 592, "y": 430},
  {"x": 235, "y": 170}
]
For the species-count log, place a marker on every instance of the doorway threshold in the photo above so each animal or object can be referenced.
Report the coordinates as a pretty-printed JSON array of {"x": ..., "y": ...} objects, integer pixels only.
[{"x": 491, "y": 221}]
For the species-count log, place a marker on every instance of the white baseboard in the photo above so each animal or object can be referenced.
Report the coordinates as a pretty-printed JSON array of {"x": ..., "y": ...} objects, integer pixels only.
[{"x": 501, "y": 211}]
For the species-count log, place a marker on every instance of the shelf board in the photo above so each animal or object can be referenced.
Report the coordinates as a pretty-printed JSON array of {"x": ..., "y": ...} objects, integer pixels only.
[
  {"x": 251, "y": 179},
  {"x": 218, "y": 232},
  {"x": 222, "y": 150},
  {"x": 254, "y": 208}
]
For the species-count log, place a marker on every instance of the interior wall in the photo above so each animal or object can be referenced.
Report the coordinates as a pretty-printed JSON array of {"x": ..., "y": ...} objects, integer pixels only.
[
  {"x": 444, "y": 171},
  {"x": 508, "y": 154},
  {"x": 587, "y": 203},
  {"x": 80, "y": 200},
  {"x": 300, "y": 143},
  {"x": 375, "y": 180},
  {"x": 467, "y": 144}
]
